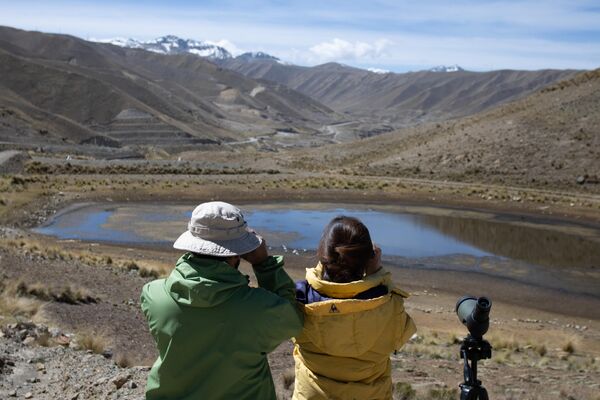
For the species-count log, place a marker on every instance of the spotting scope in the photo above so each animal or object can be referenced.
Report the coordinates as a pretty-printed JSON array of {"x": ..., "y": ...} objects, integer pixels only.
[{"x": 474, "y": 313}]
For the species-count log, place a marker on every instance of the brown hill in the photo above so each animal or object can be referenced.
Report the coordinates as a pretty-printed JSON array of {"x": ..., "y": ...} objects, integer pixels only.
[
  {"x": 78, "y": 91},
  {"x": 400, "y": 99},
  {"x": 548, "y": 139}
]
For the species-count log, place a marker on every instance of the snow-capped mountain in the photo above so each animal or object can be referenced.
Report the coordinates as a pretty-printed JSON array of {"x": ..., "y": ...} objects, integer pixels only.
[
  {"x": 171, "y": 44},
  {"x": 446, "y": 68},
  {"x": 259, "y": 55}
]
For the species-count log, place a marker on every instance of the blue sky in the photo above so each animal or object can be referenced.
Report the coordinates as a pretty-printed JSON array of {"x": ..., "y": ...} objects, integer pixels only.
[{"x": 385, "y": 34}]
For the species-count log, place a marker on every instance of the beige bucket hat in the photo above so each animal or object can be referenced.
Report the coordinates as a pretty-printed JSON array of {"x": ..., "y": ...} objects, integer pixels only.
[{"x": 217, "y": 229}]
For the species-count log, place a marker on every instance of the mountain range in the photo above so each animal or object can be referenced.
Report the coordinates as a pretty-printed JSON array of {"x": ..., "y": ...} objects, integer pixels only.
[
  {"x": 382, "y": 99},
  {"x": 175, "y": 93}
]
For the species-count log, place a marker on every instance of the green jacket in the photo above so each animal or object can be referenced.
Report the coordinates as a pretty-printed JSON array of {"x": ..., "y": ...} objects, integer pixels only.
[{"x": 213, "y": 331}]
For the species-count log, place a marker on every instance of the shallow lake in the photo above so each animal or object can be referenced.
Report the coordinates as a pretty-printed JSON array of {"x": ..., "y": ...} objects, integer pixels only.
[{"x": 541, "y": 252}]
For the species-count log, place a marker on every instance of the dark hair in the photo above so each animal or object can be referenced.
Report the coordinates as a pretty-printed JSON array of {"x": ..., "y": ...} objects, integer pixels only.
[{"x": 345, "y": 249}]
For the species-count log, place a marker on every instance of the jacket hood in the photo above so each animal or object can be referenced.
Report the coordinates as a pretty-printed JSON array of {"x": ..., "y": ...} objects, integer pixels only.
[
  {"x": 348, "y": 327},
  {"x": 203, "y": 282}
]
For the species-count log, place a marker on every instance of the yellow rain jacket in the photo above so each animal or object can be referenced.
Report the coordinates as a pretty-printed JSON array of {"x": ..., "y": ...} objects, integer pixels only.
[{"x": 344, "y": 349}]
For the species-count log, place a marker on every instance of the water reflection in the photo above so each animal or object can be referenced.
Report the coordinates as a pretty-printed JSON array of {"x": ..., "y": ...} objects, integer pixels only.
[{"x": 522, "y": 242}]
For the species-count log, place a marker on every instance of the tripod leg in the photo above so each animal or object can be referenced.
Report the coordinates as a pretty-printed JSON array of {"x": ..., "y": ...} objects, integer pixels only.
[{"x": 483, "y": 395}]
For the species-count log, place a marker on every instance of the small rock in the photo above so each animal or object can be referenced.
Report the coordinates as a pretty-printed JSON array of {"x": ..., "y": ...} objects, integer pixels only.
[
  {"x": 62, "y": 340},
  {"x": 74, "y": 345},
  {"x": 28, "y": 395},
  {"x": 581, "y": 179},
  {"x": 132, "y": 385},
  {"x": 55, "y": 332},
  {"x": 100, "y": 381},
  {"x": 40, "y": 367},
  {"x": 120, "y": 380},
  {"x": 107, "y": 353},
  {"x": 29, "y": 340},
  {"x": 12, "y": 393}
]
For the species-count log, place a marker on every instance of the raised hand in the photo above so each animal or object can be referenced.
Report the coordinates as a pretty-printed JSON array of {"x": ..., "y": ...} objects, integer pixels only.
[{"x": 259, "y": 254}]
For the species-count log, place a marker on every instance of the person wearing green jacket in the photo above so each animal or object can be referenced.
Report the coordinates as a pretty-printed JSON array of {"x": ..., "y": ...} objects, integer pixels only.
[{"x": 213, "y": 331}]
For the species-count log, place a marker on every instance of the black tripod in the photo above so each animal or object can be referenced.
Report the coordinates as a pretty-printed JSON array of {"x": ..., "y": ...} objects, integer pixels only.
[{"x": 473, "y": 350}]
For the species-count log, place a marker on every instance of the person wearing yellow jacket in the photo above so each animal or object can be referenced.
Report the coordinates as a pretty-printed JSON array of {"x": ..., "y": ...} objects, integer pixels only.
[{"x": 354, "y": 318}]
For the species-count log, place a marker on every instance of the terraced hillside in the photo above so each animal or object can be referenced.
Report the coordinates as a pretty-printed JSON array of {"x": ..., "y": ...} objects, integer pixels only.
[{"x": 76, "y": 92}]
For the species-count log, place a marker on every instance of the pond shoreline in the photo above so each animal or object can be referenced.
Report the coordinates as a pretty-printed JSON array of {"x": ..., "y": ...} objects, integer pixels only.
[{"x": 488, "y": 270}]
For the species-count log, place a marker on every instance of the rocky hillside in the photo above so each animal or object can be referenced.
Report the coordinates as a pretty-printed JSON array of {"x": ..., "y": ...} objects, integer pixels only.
[
  {"x": 58, "y": 88},
  {"x": 550, "y": 139},
  {"x": 377, "y": 98},
  {"x": 401, "y": 99}
]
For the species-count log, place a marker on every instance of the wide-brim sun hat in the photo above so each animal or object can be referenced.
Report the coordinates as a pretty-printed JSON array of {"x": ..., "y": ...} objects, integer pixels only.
[{"x": 217, "y": 229}]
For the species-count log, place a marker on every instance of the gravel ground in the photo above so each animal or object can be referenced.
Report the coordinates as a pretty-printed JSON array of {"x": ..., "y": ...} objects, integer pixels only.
[{"x": 30, "y": 371}]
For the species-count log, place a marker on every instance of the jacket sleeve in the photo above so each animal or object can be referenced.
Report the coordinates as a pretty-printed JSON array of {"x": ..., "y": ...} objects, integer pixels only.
[
  {"x": 405, "y": 326},
  {"x": 272, "y": 277},
  {"x": 281, "y": 317}
]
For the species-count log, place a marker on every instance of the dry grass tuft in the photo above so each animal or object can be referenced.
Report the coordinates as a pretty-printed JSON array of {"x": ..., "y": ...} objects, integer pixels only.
[
  {"x": 18, "y": 306},
  {"x": 90, "y": 341},
  {"x": 505, "y": 344},
  {"x": 442, "y": 394},
  {"x": 404, "y": 391},
  {"x": 149, "y": 273},
  {"x": 69, "y": 294},
  {"x": 11, "y": 304},
  {"x": 123, "y": 360},
  {"x": 569, "y": 347},
  {"x": 540, "y": 349}
]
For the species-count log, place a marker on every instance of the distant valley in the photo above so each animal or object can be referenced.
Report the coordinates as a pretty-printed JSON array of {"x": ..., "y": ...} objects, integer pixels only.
[
  {"x": 62, "y": 91},
  {"x": 63, "y": 94}
]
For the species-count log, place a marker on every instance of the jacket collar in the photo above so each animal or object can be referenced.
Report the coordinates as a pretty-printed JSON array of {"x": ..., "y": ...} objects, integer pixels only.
[{"x": 314, "y": 276}]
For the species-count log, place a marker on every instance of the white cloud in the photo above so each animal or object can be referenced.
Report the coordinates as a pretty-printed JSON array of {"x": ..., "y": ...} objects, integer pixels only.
[
  {"x": 339, "y": 49},
  {"x": 228, "y": 45},
  {"x": 378, "y": 70}
]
